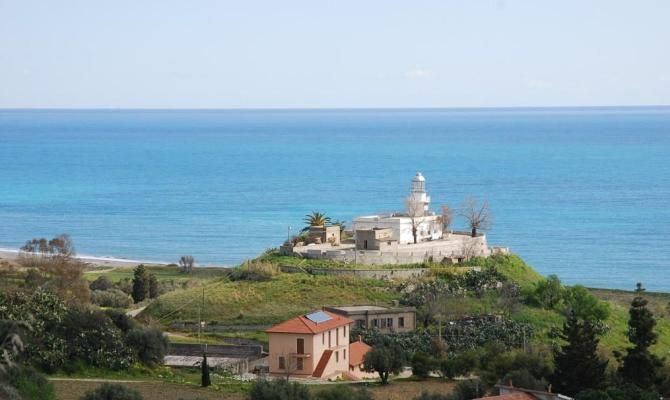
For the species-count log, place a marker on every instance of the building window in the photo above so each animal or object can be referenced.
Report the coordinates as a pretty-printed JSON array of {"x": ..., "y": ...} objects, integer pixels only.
[
  {"x": 401, "y": 322},
  {"x": 323, "y": 338},
  {"x": 337, "y": 357},
  {"x": 299, "y": 364},
  {"x": 344, "y": 353},
  {"x": 360, "y": 323},
  {"x": 344, "y": 332},
  {"x": 282, "y": 363},
  {"x": 300, "y": 345},
  {"x": 365, "y": 244},
  {"x": 389, "y": 322},
  {"x": 329, "y": 342},
  {"x": 383, "y": 323},
  {"x": 337, "y": 336},
  {"x": 375, "y": 323}
]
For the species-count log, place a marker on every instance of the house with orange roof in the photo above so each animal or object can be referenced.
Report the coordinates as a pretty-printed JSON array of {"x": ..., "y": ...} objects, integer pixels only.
[
  {"x": 314, "y": 345},
  {"x": 510, "y": 392}
]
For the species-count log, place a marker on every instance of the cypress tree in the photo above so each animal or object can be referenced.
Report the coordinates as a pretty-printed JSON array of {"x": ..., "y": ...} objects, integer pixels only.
[
  {"x": 140, "y": 283},
  {"x": 577, "y": 364},
  {"x": 639, "y": 365},
  {"x": 205, "y": 371},
  {"x": 154, "y": 288}
]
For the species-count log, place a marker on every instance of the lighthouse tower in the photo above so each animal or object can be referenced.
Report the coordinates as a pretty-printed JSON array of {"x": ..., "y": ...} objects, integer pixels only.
[{"x": 418, "y": 202}]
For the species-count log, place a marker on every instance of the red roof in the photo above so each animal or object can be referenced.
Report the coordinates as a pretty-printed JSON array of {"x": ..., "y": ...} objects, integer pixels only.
[
  {"x": 357, "y": 351},
  {"x": 301, "y": 324}
]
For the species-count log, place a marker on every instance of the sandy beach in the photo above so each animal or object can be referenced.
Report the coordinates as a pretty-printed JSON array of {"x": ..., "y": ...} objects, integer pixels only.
[{"x": 9, "y": 254}]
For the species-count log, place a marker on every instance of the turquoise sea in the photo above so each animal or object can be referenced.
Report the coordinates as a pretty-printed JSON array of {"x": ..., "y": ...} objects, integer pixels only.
[{"x": 583, "y": 193}]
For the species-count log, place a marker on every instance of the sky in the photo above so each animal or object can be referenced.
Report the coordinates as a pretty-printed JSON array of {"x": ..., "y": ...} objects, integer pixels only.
[{"x": 333, "y": 54}]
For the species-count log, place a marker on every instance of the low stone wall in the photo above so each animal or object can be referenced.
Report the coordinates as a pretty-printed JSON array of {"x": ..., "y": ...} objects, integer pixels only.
[{"x": 361, "y": 273}]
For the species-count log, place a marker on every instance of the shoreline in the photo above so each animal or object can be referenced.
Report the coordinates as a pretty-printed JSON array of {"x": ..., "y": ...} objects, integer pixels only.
[{"x": 11, "y": 254}]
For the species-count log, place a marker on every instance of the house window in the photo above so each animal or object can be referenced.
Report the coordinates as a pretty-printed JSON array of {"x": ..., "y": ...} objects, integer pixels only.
[
  {"x": 375, "y": 323},
  {"x": 383, "y": 323},
  {"x": 323, "y": 338},
  {"x": 282, "y": 363},
  {"x": 300, "y": 346},
  {"x": 337, "y": 336},
  {"x": 401, "y": 322},
  {"x": 329, "y": 342},
  {"x": 344, "y": 353},
  {"x": 389, "y": 322},
  {"x": 299, "y": 364},
  {"x": 344, "y": 332},
  {"x": 337, "y": 357},
  {"x": 365, "y": 244},
  {"x": 360, "y": 323}
]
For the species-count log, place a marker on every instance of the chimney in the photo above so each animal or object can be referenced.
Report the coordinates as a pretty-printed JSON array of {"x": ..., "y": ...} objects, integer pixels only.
[{"x": 360, "y": 339}]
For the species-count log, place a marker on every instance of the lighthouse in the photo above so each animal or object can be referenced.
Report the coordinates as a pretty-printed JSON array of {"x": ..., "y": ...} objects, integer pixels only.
[{"x": 418, "y": 201}]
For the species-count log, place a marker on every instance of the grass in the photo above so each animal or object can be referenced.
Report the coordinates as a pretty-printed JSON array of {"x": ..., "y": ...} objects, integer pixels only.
[
  {"x": 268, "y": 302},
  {"x": 162, "y": 273},
  {"x": 512, "y": 267},
  {"x": 273, "y": 256}
]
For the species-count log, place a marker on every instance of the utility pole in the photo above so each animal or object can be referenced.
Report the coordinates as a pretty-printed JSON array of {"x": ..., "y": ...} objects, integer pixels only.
[{"x": 200, "y": 309}]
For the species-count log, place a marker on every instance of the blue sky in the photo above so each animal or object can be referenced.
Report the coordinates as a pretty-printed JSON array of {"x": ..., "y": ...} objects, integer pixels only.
[{"x": 253, "y": 54}]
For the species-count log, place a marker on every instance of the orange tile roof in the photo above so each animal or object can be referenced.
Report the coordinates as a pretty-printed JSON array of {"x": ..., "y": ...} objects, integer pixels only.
[
  {"x": 357, "y": 351},
  {"x": 301, "y": 324}
]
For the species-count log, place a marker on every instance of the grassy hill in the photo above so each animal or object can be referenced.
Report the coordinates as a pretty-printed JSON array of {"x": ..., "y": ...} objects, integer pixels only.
[{"x": 267, "y": 302}]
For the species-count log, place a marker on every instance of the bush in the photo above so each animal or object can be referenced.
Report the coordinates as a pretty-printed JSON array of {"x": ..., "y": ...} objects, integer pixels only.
[
  {"x": 422, "y": 365},
  {"x": 108, "y": 391},
  {"x": 343, "y": 392},
  {"x": 254, "y": 271},
  {"x": 150, "y": 345},
  {"x": 93, "y": 339},
  {"x": 278, "y": 390},
  {"x": 523, "y": 378},
  {"x": 30, "y": 384},
  {"x": 111, "y": 298},
  {"x": 121, "y": 320},
  {"x": 101, "y": 283},
  {"x": 470, "y": 389}
]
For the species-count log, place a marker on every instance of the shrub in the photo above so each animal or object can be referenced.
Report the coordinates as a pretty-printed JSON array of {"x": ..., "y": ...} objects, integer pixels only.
[
  {"x": 278, "y": 390},
  {"x": 93, "y": 339},
  {"x": 108, "y": 391},
  {"x": 150, "y": 345},
  {"x": 523, "y": 378},
  {"x": 111, "y": 298},
  {"x": 121, "y": 320},
  {"x": 30, "y": 384},
  {"x": 422, "y": 365},
  {"x": 101, "y": 283},
  {"x": 343, "y": 392},
  {"x": 254, "y": 271},
  {"x": 470, "y": 389}
]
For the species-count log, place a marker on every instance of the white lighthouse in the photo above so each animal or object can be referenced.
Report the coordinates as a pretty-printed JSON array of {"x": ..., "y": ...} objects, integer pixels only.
[{"x": 418, "y": 201}]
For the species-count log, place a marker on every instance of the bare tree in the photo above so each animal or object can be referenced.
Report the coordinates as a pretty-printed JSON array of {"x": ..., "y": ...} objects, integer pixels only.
[
  {"x": 446, "y": 217},
  {"x": 186, "y": 263},
  {"x": 290, "y": 365},
  {"x": 415, "y": 212},
  {"x": 478, "y": 216},
  {"x": 469, "y": 249}
]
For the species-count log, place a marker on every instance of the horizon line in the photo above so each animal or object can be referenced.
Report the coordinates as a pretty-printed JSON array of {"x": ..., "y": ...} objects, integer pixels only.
[{"x": 437, "y": 108}]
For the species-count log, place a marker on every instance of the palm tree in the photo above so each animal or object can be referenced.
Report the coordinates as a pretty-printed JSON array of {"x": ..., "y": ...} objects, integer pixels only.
[{"x": 315, "y": 219}]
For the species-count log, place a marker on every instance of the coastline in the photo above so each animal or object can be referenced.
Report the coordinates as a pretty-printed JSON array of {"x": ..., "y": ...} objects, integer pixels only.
[{"x": 11, "y": 254}]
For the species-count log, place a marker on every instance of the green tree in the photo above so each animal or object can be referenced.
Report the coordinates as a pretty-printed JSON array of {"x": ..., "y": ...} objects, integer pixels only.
[
  {"x": 639, "y": 366},
  {"x": 549, "y": 292},
  {"x": 150, "y": 345},
  {"x": 423, "y": 364},
  {"x": 315, "y": 219},
  {"x": 577, "y": 364},
  {"x": 385, "y": 360},
  {"x": 140, "y": 283},
  {"x": 584, "y": 305},
  {"x": 154, "y": 287}
]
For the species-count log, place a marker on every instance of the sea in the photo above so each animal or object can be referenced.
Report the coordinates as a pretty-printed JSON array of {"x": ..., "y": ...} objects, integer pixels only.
[{"x": 583, "y": 193}]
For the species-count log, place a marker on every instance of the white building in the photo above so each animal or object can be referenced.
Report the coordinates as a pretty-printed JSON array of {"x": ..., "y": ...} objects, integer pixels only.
[{"x": 417, "y": 218}]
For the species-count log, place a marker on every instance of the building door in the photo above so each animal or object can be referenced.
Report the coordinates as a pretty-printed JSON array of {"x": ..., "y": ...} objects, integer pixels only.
[{"x": 301, "y": 346}]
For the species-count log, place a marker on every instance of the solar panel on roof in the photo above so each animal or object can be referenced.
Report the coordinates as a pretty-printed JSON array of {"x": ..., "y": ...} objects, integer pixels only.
[{"x": 318, "y": 317}]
